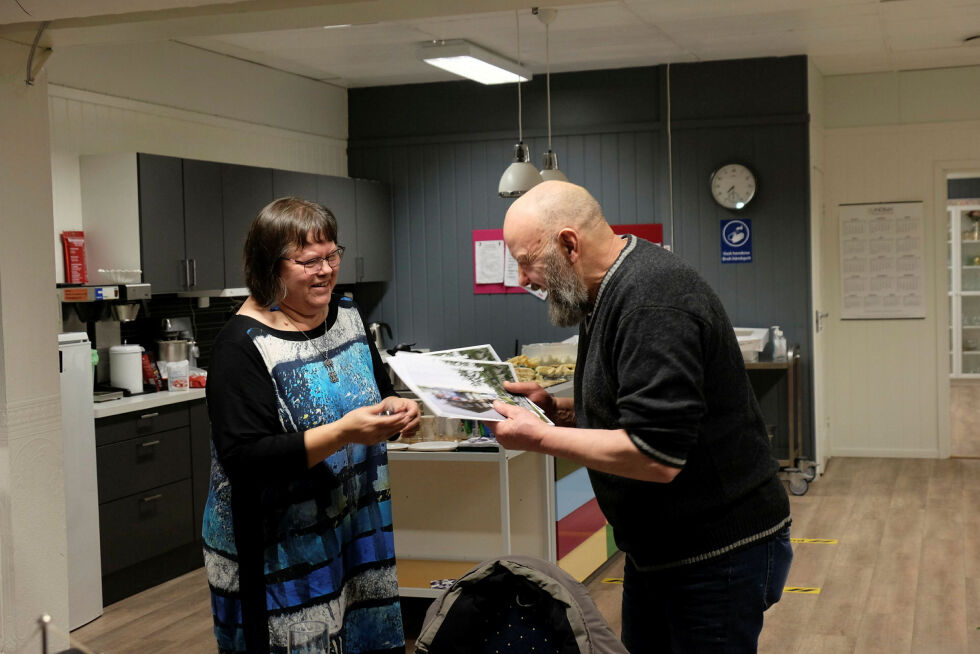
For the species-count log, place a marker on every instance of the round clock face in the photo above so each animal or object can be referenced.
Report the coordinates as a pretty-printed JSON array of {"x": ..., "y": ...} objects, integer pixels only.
[{"x": 733, "y": 186}]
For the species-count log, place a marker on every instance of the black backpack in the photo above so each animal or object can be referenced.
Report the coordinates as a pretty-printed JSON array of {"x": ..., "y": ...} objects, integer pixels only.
[{"x": 516, "y": 604}]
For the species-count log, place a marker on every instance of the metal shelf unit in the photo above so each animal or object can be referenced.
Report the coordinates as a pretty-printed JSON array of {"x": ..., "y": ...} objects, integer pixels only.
[
  {"x": 453, "y": 510},
  {"x": 796, "y": 469}
]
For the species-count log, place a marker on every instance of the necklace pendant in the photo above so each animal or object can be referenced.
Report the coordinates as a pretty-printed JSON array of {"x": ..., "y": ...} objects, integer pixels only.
[{"x": 328, "y": 364}]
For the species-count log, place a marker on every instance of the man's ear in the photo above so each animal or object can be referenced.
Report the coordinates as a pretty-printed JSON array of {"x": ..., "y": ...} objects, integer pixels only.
[{"x": 568, "y": 244}]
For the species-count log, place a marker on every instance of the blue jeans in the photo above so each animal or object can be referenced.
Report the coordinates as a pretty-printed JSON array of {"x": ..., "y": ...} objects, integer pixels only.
[{"x": 713, "y": 606}]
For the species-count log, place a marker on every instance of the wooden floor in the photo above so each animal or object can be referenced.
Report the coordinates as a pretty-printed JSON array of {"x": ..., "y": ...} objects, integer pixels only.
[{"x": 903, "y": 576}]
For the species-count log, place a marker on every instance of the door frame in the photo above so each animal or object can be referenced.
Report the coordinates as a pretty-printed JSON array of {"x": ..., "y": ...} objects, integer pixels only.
[{"x": 941, "y": 176}]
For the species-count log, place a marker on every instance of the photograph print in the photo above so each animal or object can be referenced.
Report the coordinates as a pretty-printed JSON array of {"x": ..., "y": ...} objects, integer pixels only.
[{"x": 459, "y": 387}]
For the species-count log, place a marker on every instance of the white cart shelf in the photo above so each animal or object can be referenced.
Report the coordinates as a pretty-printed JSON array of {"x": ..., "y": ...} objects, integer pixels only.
[{"x": 452, "y": 510}]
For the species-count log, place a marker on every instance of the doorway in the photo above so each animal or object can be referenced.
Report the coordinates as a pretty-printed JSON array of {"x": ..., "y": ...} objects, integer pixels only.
[{"x": 963, "y": 286}]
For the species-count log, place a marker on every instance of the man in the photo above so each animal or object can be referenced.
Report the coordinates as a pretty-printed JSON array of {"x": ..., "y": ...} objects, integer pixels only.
[{"x": 665, "y": 421}]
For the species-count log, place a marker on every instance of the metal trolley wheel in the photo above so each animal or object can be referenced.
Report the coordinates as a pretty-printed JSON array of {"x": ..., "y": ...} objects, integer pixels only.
[
  {"x": 808, "y": 469},
  {"x": 798, "y": 485}
]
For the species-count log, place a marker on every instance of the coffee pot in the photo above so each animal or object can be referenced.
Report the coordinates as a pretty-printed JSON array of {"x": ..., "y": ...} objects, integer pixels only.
[{"x": 377, "y": 331}]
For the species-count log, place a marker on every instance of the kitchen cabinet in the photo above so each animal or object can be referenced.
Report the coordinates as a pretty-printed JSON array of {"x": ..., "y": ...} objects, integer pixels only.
[
  {"x": 337, "y": 195},
  {"x": 166, "y": 216},
  {"x": 153, "y": 470},
  {"x": 373, "y": 262},
  {"x": 245, "y": 190},
  {"x": 180, "y": 221},
  {"x": 963, "y": 265},
  {"x": 158, "y": 214},
  {"x": 161, "y": 219},
  {"x": 203, "y": 225}
]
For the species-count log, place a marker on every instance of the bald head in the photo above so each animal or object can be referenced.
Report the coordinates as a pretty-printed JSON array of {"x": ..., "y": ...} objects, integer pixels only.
[
  {"x": 557, "y": 233},
  {"x": 551, "y": 206}
]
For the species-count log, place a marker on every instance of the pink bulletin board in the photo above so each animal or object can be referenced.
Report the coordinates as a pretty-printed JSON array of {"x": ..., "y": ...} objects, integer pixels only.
[
  {"x": 490, "y": 235},
  {"x": 653, "y": 232}
]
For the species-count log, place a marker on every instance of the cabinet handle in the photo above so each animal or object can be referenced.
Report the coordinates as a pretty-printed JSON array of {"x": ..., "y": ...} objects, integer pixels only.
[
  {"x": 147, "y": 416},
  {"x": 359, "y": 268},
  {"x": 194, "y": 269},
  {"x": 149, "y": 443},
  {"x": 153, "y": 498},
  {"x": 187, "y": 272}
]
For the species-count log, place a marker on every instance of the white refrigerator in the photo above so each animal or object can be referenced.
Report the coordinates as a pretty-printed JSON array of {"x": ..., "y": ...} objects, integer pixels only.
[{"x": 81, "y": 483}]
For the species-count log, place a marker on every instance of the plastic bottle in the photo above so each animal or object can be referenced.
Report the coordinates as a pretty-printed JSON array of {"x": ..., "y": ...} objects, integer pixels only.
[{"x": 778, "y": 344}]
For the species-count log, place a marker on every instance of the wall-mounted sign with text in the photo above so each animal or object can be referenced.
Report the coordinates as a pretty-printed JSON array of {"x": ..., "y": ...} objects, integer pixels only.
[{"x": 736, "y": 241}]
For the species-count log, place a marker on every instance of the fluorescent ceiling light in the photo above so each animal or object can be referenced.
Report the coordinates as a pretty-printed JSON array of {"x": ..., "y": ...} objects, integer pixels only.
[{"x": 473, "y": 62}]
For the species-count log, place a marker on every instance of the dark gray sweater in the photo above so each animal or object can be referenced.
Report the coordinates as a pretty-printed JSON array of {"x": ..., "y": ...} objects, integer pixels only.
[{"x": 658, "y": 357}]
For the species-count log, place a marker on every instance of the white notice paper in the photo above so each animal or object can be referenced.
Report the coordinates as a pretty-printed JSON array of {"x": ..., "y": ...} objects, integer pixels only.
[
  {"x": 489, "y": 257},
  {"x": 510, "y": 269}
]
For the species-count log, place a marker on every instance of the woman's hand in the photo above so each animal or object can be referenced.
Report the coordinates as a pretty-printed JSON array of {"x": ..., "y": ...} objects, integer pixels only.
[
  {"x": 376, "y": 423},
  {"x": 368, "y": 425},
  {"x": 397, "y": 404}
]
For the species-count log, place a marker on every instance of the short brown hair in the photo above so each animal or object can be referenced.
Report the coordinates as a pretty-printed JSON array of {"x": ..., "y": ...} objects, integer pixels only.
[{"x": 280, "y": 227}]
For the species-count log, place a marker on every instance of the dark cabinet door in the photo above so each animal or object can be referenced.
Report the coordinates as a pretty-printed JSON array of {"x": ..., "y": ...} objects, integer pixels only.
[
  {"x": 373, "y": 230},
  {"x": 337, "y": 194},
  {"x": 203, "y": 226},
  {"x": 245, "y": 190},
  {"x": 288, "y": 182},
  {"x": 161, "y": 203}
]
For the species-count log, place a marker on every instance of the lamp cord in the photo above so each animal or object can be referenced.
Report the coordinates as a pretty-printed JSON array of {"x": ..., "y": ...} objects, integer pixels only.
[
  {"x": 670, "y": 167},
  {"x": 547, "y": 77},
  {"x": 520, "y": 122}
]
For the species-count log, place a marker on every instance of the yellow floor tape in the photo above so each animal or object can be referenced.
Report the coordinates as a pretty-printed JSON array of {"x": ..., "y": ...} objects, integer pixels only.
[
  {"x": 823, "y": 541},
  {"x": 803, "y": 590}
]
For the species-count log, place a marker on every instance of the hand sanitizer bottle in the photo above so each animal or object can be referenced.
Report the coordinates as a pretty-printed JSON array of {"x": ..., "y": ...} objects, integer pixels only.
[{"x": 778, "y": 344}]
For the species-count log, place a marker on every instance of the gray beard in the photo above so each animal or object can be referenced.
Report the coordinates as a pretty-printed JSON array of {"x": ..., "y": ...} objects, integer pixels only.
[{"x": 568, "y": 299}]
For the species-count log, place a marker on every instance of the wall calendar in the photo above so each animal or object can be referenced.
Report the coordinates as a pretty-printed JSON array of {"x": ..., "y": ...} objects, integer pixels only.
[{"x": 882, "y": 260}]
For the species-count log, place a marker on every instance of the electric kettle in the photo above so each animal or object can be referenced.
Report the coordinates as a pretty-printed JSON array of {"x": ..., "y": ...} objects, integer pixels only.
[{"x": 377, "y": 331}]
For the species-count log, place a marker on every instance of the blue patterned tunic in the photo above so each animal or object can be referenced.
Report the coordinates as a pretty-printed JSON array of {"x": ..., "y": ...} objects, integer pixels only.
[{"x": 284, "y": 543}]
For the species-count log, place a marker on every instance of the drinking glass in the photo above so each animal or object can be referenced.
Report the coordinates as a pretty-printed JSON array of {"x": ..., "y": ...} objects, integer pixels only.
[{"x": 307, "y": 637}]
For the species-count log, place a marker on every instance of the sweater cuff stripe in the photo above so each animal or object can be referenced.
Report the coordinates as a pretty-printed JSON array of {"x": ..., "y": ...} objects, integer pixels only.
[{"x": 657, "y": 454}]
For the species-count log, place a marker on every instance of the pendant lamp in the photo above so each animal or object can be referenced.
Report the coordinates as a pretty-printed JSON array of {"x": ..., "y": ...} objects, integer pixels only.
[
  {"x": 549, "y": 162},
  {"x": 521, "y": 174}
]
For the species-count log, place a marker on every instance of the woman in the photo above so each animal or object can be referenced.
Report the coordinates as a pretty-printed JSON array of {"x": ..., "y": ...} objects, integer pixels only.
[{"x": 298, "y": 518}]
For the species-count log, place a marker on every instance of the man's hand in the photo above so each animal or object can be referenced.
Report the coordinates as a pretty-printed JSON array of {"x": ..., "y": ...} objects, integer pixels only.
[
  {"x": 560, "y": 411},
  {"x": 521, "y": 429}
]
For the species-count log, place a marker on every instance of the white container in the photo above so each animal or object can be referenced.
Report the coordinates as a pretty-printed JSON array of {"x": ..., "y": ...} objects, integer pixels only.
[
  {"x": 778, "y": 344},
  {"x": 126, "y": 367},
  {"x": 751, "y": 340}
]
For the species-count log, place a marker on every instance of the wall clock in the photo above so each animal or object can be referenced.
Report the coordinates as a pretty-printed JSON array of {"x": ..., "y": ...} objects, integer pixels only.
[{"x": 733, "y": 186}]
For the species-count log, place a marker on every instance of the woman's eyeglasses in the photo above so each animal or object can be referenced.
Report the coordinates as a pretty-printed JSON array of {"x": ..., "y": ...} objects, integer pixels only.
[{"x": 314, "y": 265}]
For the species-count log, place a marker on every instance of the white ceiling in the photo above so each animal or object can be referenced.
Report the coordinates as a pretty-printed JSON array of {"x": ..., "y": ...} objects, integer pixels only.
[{"x": 379, "y": 45}]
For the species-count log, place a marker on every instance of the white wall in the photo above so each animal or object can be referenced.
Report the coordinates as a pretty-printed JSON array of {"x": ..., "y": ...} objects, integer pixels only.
[
  {"x": 160, "y": 98},
  {"x": 171, "y": 99},
  {"x": 33, "y": 569},
  {"x": 890, "y": 137}
]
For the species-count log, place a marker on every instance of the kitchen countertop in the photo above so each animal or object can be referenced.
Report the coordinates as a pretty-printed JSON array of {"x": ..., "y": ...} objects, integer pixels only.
[{"x": 145, "y": 401}]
